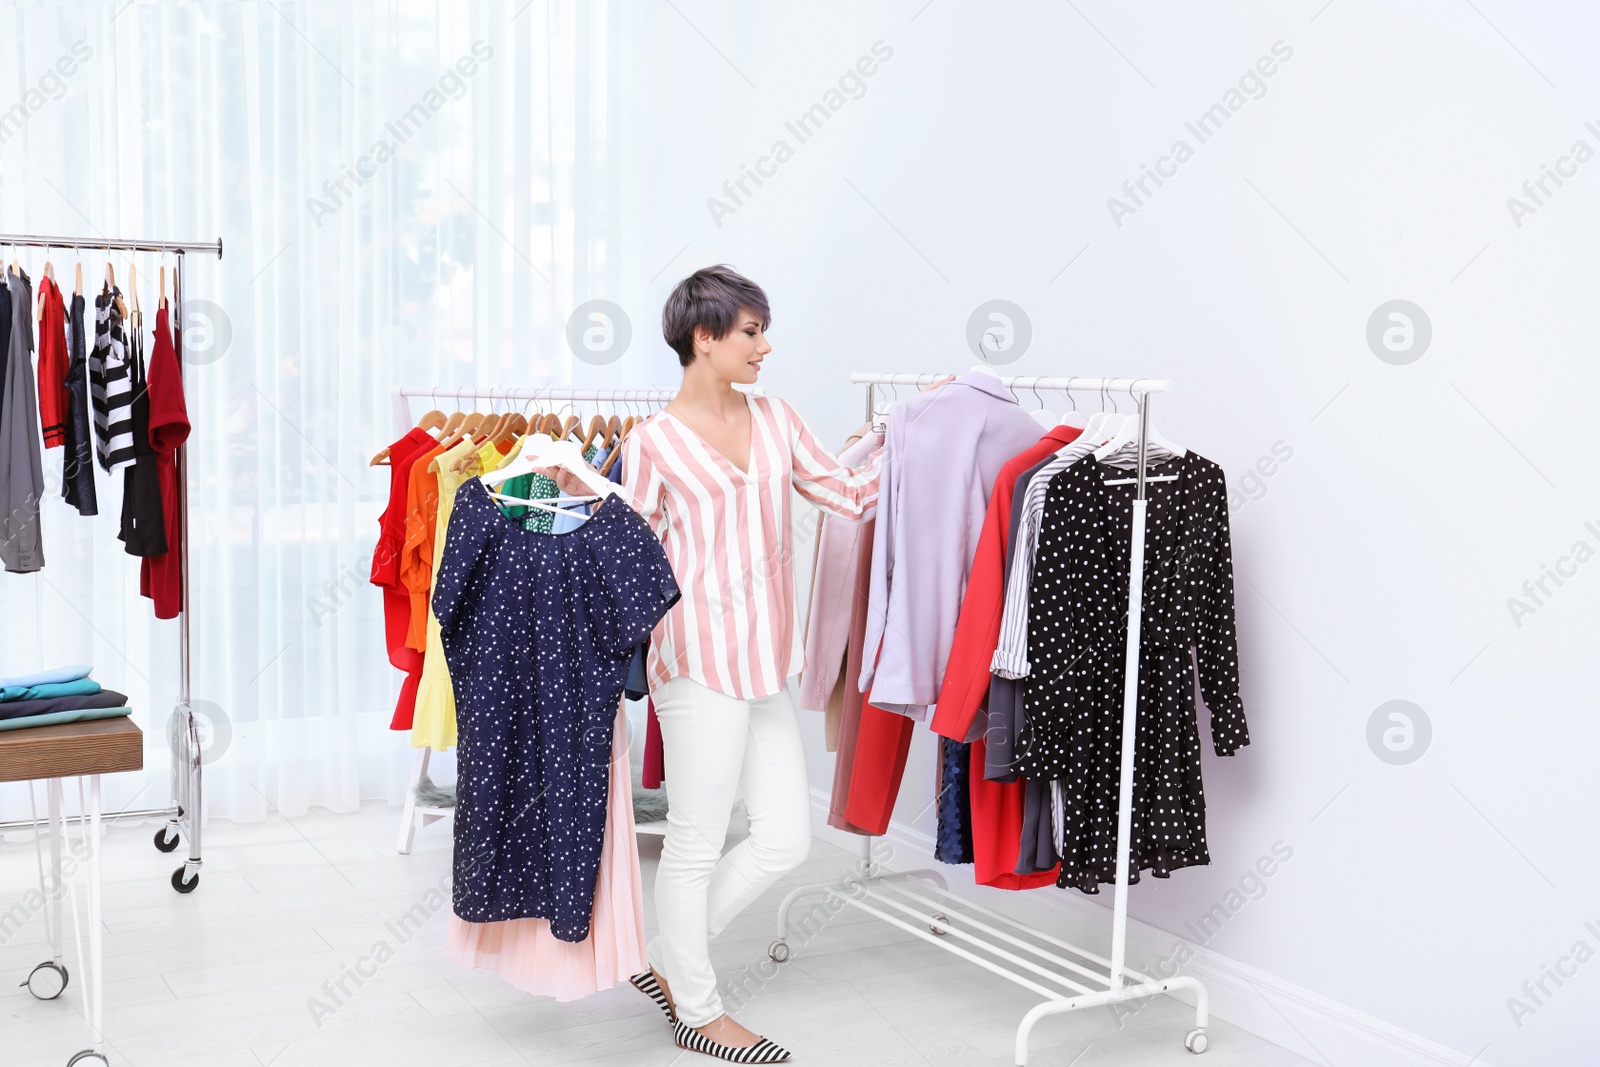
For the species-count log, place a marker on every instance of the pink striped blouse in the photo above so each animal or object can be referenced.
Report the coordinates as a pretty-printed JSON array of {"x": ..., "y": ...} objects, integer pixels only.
[{"x": 727, "y": 535}]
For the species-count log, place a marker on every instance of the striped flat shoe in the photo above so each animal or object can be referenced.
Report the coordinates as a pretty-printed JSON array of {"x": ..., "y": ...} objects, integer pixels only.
[
  {"x": 762, "y": 1051},
  {"x": 646, "y": 983}
]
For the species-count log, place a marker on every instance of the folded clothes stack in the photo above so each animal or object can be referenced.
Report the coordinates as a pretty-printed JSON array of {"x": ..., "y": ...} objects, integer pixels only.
[{"x": 58, "y": 695}]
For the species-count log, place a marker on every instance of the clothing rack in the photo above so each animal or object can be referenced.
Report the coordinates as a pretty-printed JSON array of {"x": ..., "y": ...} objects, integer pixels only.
[
  {"x": 1089, "y": 979},
  {"x": 184, "y": 814},
  {"x": 413, "y": 815}
]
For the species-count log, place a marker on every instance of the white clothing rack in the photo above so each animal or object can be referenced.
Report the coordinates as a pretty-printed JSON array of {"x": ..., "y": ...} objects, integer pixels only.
[
  {"x": 183, "y": 815},
  {"x": 1090, "y": 980},
  {"x": 415, "y": 816}
]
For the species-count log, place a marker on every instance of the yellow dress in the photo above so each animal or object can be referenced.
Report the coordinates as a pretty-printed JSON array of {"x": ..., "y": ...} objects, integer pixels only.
[{"x": 434, "y": 724}]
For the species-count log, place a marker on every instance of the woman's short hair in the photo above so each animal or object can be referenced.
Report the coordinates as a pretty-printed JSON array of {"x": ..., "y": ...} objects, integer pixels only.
[{"x": 711, "y": 297}]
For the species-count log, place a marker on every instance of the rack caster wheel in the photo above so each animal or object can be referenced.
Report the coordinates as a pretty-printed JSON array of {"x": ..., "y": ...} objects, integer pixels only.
[
  {"x": 180, "y": 885},
  {"x": 88, "y": 1058},
  {"x": 778, "y": 951},
  {"x": 163, "y": 842},
  {"x": 47, "y": 981},
  {"x": 1195, "y": 1041},
  {"x": 940, "y": 930}
]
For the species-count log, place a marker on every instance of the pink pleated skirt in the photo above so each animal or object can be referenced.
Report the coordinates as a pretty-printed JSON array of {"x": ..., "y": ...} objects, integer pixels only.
[{"x": 531, "y": 958}]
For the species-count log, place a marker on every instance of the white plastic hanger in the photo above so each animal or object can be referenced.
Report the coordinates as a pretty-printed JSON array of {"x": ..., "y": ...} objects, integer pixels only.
[
  {"x": 1128, "y": 435},
  {"x": 541, "y": 450},
  {"x": 1043, "y": 417},
  {"x": 1073, "y": 417},
  {"x": 1102, "y": 426},
  {"x": 550, "y": 505}
]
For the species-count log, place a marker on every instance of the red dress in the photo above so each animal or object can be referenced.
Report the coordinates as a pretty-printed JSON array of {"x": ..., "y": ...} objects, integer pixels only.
[
  {"x": 54, "y": 401},
  {"x": 403, "y": 454},
  {"x": 996, "y": 806},
  {"x": 161, "y": 577}
]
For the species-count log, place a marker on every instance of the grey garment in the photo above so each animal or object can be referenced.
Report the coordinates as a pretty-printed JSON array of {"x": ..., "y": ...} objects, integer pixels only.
[
  {"x": 21, "y": 459},
  {"x": 1037, "y": 849},
  {"x": 944, "y": 449},
  {"x": 1005, "y": 694}
]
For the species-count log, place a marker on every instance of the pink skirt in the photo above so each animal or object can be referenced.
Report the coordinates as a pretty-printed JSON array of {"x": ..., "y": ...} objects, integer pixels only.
[{"x": 533, "y": 959}]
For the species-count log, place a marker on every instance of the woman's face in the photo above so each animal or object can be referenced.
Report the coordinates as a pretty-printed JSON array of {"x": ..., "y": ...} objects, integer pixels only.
[{"x": 736, "y": 356}]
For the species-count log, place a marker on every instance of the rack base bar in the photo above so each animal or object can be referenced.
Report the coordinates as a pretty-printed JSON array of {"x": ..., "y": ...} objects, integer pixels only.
[
  {"x": 1202, "y": 1013},
  {"x": 994, "y": 932},
  {"x": 932, "y": 913},
  {"x": 1098, "y": 960},
  {"x": 941, "y": 924}
]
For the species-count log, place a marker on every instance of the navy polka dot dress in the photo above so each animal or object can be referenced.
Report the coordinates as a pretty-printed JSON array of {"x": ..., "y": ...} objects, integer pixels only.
[
  {"x": 538, "y": 631},
  {"x": 1077, "y": 645}
]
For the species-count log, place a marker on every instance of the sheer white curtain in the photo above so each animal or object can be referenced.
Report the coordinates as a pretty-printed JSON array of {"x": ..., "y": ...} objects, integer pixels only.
[{"x": 409, "y": 193}]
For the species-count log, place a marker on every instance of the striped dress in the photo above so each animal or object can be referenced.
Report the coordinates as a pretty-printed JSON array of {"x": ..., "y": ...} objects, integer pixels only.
[
  {"x": 110, "y": 385},
  {"x": 727, "y": 535}
]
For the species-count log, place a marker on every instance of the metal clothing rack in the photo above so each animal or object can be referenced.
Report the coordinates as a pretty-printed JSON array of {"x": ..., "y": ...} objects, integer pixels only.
[
  {"x": 184, "y": 814},
  {"x": 1079, "y": 978},
  {"x": 413, "y": 815}
]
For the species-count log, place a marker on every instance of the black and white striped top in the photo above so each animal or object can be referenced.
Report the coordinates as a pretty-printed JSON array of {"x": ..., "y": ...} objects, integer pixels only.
[
  {"x": 110, "y": 385},
  {"x": 1011, "y": 652}
]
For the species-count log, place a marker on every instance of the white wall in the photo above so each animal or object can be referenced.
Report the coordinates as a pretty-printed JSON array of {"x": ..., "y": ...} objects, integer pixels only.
[{"x": 1373, "y": 564}]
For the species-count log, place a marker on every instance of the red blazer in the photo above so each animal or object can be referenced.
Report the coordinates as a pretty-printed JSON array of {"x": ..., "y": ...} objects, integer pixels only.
[{"x": 966, "y": 676}]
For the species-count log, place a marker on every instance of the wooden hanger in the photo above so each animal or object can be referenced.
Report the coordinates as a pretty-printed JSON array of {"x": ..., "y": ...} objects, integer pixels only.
[
  {"x": 474, "y": 427},
  {"x": 616, "y": 452},
  {"x": 111, "y": 287},
  {"x": 597, "y": 426},
  {"x": 465, "y": 428},
  {"x": 136, "y": 319},
  {"x": 163, "y": 304},
  {"x": 490, "y": 430},
  {"x": 431, "y": 421},
  {"x": 515, "y": 426},
  {"x": 78, "y": 277}
]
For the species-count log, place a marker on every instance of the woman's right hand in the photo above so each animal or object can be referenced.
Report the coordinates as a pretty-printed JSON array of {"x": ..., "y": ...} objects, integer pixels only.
[{"x": 568, "y": 482}]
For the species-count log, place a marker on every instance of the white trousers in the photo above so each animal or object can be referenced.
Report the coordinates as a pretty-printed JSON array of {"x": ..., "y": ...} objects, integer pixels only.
[{"x": 715, "y": 748}]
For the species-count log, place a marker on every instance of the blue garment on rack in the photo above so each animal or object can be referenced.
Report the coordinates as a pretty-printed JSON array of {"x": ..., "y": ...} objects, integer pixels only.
[
  {"x": 69, "y": 673},
  {"x": 953, "y": 842},
  {"x": 79, "y": 687}
]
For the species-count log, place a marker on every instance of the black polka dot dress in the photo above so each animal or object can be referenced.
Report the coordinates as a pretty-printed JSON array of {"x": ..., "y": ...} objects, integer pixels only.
[
  {"x": 1077, "y": 646},
  {"x": 538, "y": 630}
]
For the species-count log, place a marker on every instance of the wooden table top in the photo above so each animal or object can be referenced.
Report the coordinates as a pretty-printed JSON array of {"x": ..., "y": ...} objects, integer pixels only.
[{"x": 100, "y": 746}]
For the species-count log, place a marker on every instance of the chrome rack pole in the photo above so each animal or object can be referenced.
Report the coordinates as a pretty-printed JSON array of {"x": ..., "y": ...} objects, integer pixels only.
[
  {"x": 188, "y": 736},
  {"x": 1130, "y": 710},
  {"x": 33, "y": 241}
]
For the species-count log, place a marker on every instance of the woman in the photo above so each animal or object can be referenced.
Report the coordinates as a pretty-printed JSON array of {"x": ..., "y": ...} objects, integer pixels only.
[{"x": 712, "y": 473}]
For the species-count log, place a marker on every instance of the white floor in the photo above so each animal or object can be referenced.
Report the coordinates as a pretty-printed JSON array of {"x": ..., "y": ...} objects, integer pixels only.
[{"x": 226, "y": 976}]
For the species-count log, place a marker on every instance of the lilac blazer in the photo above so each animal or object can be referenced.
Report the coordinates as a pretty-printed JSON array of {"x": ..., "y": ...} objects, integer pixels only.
[
  {"x": 944, "y": 450},
  {"x": 840, "y": 544}
]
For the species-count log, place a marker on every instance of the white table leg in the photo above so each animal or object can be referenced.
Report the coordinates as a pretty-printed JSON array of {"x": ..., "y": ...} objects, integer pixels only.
[
  {"x": 56, "y": 931},
  {"x": 96, "y": 949}
]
